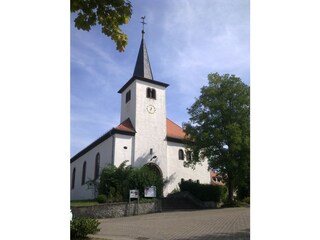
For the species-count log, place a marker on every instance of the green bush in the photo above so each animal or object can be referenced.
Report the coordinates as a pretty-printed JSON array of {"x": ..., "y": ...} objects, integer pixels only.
[
  {"x": 246, "y": 200},
  {"x": 80, "y": 227},
  {"x": 140, "y": 178},
  {"x": 204, "y": 192},
  {"x": 102, "y": 198},
  {"x": 115, "y": 182},
  {"x": 176, "y": 190}
]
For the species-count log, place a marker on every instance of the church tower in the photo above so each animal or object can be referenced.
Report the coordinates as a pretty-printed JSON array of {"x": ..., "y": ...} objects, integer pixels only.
[
  {"x": 143, "y": 102},
  {"x": 145, "y": 136}
]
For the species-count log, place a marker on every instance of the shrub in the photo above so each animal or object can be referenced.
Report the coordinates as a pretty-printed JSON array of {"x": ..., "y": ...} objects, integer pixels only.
[
  {"x": 204, "y": 192},
  {"x": 144, "y": 177},
  {"x": 176, "y": 190},
  {"x": 243, "y": 191},
  {"x": 102, "y": 198},
  {"x": 246, "y": 200},
  {"x": 80, "y": 227},
  {"x": 115, "y": 182}
]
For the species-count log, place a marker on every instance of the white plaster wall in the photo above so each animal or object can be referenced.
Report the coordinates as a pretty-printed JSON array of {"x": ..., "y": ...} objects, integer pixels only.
[
  {"x": 81, "y": 192},
  {"x": 128, "y": 109},
  {"x": 120, "y": 153},
  {"x": 150, "y": 128},
  {"x": 176, "y": 170}
]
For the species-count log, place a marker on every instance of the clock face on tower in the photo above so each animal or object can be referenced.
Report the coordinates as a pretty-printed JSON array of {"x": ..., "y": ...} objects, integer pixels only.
[{"x": 151, "y": 109}]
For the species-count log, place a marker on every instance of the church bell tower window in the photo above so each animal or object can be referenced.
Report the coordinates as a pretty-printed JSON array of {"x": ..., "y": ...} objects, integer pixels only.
[
  {"x": 151, "y": 93},
  {"x": 128, "y": 96}
]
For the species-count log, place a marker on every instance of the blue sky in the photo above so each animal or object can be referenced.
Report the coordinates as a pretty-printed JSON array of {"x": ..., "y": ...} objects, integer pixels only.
[{"x": 186, "y": 40}]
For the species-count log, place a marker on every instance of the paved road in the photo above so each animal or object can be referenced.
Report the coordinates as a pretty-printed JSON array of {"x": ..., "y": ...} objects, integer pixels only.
[{"x": 218, "y": 224}]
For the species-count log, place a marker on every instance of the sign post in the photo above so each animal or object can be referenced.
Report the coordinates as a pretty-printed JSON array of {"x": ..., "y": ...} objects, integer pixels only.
[
  {"x": 134, "y": 193},
  {"x": 150, "y": 192}
]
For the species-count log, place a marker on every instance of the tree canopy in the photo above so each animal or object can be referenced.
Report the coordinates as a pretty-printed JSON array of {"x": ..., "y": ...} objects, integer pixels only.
[
  {"x": 110, "y": 14},
  {"x": 219, "y": 130}
]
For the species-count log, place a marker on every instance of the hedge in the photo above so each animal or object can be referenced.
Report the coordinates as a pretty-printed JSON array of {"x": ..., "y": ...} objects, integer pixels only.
[{"x": 204, "y": 192}]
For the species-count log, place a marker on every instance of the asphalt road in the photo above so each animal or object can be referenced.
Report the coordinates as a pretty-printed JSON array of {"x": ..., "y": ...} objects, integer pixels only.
[{"x": 218, "y": 224}]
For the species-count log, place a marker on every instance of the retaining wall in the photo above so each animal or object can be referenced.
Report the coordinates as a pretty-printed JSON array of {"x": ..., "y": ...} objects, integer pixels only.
[{"x": 112, "y": 210}]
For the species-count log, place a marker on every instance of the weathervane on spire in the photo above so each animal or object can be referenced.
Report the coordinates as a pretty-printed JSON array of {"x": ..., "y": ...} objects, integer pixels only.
[{"x": 143, "y": 23}]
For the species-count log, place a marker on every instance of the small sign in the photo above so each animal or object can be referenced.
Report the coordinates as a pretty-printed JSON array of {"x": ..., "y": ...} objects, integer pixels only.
[
  {"x": 150, "y": 192},
  {"x": 134, "y": 193}
]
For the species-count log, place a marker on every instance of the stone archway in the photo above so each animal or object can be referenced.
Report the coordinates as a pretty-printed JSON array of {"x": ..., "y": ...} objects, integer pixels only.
[{"x": 157, "y": 170}]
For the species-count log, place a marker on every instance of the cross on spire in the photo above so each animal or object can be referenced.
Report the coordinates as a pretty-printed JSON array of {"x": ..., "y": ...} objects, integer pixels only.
[
  {"x": 143, "y": 23},
  {"x": 143, "y": 67}
]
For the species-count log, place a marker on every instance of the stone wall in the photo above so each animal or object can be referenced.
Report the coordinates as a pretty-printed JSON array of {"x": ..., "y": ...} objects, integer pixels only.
[{"x": 112, "y": 210}]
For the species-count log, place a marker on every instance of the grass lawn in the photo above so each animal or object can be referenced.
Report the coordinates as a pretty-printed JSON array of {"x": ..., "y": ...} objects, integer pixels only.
[{"x": 83, "y": 203}]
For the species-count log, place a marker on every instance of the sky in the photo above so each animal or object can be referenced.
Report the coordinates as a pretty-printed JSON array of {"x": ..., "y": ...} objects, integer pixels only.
[{"x": 186, "y": 40}]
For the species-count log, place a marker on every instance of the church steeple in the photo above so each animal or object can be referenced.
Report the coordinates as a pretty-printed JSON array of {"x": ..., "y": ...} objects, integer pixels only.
[{"x": 143, "y": 67}]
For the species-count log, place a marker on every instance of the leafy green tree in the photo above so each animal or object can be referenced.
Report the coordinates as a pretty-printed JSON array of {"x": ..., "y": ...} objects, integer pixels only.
[
  {"x": 115, "y": 182},
  {"x": 219, "y": 130},
  {"x": 110, "y": 14}
]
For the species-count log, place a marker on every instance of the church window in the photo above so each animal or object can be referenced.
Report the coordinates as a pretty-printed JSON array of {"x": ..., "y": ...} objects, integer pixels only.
[
  {"x": 97, "y": 166},
  {"x": 73, "y": 178},
  {"x": 148, "y": 92},
  {"x": 181, "y": 154},
  {"x": 151, "y": 93},
  {"x": 84, "y": 168},
  {"x": 128, "y": 96}
]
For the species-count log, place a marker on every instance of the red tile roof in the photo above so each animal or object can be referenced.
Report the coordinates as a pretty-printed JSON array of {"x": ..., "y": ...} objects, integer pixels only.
[
  {"x": 126, "y": 126},
  {"x": 174, "y": 130}
]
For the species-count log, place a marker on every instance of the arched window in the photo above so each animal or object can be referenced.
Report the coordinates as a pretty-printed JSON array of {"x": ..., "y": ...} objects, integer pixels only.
[
  {"x": 148, "y": 92},
  {"x": 73, "y": 178},
  {"x": 84, "y": 167},
  {"x": 181, "y": 154},
  {"x": 153, "y": 93},
  {"x": 128, "y": 96},
  {"x": 97, "y": 166}
]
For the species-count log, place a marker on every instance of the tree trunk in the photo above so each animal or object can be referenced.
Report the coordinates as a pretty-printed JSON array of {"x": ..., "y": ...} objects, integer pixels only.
[{"x": 230, "y": 191}]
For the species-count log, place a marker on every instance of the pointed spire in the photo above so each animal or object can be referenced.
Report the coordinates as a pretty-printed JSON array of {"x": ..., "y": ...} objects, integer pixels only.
[{"x": 143, "y": 67}]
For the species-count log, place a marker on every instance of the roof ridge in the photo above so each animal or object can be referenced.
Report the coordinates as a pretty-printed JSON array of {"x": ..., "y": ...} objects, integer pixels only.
[
  {"x": 123, "y": 124},
  {"x": 174, "y": 123}
]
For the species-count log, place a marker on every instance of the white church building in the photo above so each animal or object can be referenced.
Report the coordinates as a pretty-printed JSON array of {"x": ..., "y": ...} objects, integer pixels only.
[{"x": 144, "y": 136}]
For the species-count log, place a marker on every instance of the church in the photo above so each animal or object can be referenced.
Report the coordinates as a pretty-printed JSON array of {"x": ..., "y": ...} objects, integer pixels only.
[{"x": 145, "y": 136}]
